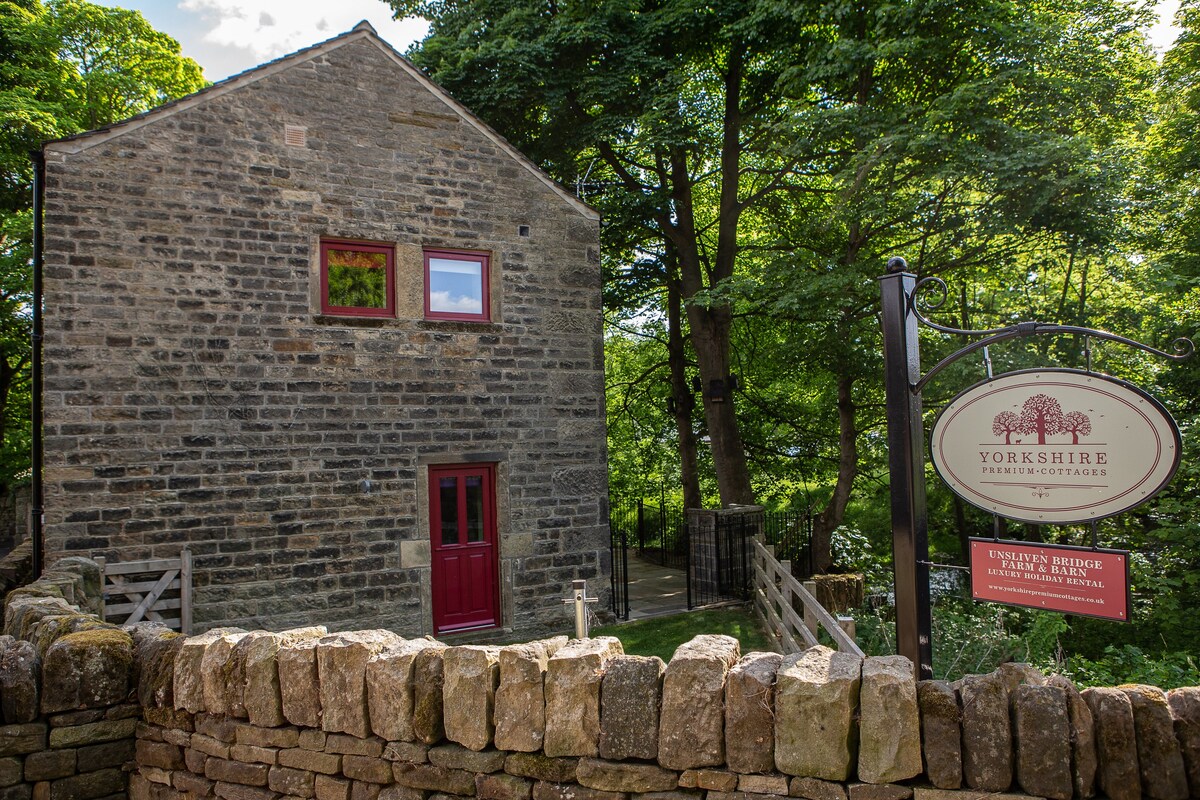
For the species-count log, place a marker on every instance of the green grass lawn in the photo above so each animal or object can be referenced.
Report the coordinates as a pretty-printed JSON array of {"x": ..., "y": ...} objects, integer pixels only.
[{"x": 660, "y": 636}]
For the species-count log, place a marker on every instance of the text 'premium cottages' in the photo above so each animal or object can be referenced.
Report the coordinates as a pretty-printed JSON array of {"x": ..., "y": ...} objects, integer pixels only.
[{"x": 321, "y": 326}]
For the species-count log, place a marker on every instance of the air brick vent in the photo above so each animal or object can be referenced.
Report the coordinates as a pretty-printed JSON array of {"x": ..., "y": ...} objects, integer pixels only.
[{"x": 295, "y": 135}]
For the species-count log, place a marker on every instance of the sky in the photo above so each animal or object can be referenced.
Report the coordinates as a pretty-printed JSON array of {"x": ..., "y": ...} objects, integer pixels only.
[{"x": 229, "y": 36}]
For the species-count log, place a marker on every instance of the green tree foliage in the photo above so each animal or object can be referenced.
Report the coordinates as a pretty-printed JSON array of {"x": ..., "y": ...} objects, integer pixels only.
[
  {"x": 758, "y": 163},
  {"x": 65, "y": 66}
]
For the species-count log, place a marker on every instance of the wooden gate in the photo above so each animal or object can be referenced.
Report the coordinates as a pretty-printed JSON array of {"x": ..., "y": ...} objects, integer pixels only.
[{"x": 157, "y": 590}]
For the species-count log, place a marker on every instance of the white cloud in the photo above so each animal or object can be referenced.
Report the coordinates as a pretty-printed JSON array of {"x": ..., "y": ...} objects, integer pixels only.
[
  {"x": 442, "y": 301},
  {"x": 272, "y": 28}
]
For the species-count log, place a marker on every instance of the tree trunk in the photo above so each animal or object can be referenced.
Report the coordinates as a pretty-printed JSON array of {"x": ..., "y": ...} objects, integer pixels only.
[
  {"x": 677, "y": 361},
  {"x": 831, "y": 516},
  {"x": 710, "y": 340}
]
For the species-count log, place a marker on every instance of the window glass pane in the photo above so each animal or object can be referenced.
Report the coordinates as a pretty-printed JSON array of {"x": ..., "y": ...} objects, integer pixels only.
[
  {"x": 455, "y": 287},
  {"x": 448, "y": 498},
  {"x": 474, "y": 485},
  {"x": 357, "y": 279}
]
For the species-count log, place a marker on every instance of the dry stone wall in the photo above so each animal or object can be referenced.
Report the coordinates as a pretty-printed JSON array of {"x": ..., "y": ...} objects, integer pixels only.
[{"x": 91, "y": 710}]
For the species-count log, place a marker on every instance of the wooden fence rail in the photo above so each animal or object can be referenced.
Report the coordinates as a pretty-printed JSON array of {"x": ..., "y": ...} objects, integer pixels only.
[
  {"x": 151, "y": 589},
  {"x": 777, "y": 595}
]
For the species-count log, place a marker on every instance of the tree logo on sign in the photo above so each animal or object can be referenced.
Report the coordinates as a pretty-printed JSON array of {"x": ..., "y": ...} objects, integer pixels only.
[{"x": 1041, "y": 415}]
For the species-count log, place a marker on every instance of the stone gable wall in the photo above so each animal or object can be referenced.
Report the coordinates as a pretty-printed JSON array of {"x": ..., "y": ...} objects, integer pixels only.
[
  {"x": 368, "y": 715},
  {"x": 195, "y": 394}
]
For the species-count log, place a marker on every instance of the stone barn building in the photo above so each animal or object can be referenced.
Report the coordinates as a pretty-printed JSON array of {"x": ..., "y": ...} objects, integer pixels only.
[{"x": 326, "y": 329}]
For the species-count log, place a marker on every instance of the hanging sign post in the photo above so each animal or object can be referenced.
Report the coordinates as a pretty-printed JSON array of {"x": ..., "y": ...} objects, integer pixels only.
[{"x": 1050, "y": 446}]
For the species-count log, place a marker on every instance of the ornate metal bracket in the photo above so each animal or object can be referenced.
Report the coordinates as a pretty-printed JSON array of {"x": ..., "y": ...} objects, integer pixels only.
[{"x": 1183, "y": 346}]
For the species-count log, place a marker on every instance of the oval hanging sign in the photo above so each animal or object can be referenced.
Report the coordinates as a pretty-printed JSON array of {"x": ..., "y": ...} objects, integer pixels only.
[{"x": 1055, "y": 446}]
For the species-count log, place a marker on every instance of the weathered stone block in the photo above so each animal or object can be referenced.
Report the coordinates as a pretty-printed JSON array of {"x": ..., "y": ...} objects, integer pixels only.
[
  {"x": 299, "y": 684},
  {"x": 209, "y": 746},
  {"x": 88, "y": 786},
  {"x": 400, "y": 793},
  {"x": 889, "y": 721},
  {"x": 20, "y": 739},
  {"x": 342, "y": 672},
  {"x": 406, "y": 751},
  {"x": 878, "y": 791},
  {"x": 521, "y": 698},
  {"x": 106, "y": 754},
  {"x": 188, "y": 686},
  {"x": 257, "y": 658},
  {"x": 763, "y": 784},
  {"x": 1159, "y": 759},
  {"x": 436, "y": 779},
  {"x": 159, "y": 754},
  {"x": 540, "y": 767},
  {"x": 1042, "y": 735},
  {"x": 691, "y": 731},
  {"x": 1083, "y": 738},
  {"x": 503, "y": 787},
  {"x": 22, "y": 611},
  {"x": 11, "y": 771},
  {"x": 750, "y": 713},
  {"x": 353, "y": 746},
  {"x": 251, "y": 754},
  {"x": 816, "y": 789},
  {"x": 572, "y": 791},
  {"x": 1016, "y": 674},
  {"x": 361, "y": 790},
  {"x": 228, "y": 771},
  {"x": 459, "y": 757},
  {"x": 238, "y": 791},
  {"x": 941, "y": 733},
  {"x": 20, "y": 672},
  {"x": 713, "y": 780},
  {"x": 93, "y": 733},
  {"x": 368, "y": 769},
  {"x": 987, "y": 733},
  {"x": 471, "y": 674},
  {"x": 1185, "y": 710},
  {"x": 428, "y": 683},
  {"x": 257, "y": 736},
  {"x": 312, "y": 760},
  {"x": 155, "y": 648},
  {"x": 610, "y": 777},
  {"x": 1116, "y": 743},
  {"x": 390, "y": 689},
  {"x": 89, "y": 669},
  {"x": 816, "y": 700},
  {"x": 46, "y": 765},
  {"x": 573, "y": 678},
  {"x": 630, "y": 696},
  {"x": 327, "y": 787},
  {"x": 217, "y": 726},
  {"x": 217, "y": 672},
  {"x": 196, "y": 785},
  {"x": 294, "y": 782}
]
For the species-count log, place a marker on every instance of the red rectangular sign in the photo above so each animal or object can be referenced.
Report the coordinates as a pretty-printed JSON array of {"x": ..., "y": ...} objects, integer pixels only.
[{"x": 1073, "y": 580}]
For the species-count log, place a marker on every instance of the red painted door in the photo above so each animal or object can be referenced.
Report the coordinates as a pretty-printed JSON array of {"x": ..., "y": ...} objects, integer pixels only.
[{"x": 462, "y": 518}]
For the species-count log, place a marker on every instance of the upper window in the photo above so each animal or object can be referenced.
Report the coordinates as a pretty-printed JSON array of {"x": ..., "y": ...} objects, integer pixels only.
[
  {"x": 357, "y": 279},
  {"x": 456, "y": 285}
]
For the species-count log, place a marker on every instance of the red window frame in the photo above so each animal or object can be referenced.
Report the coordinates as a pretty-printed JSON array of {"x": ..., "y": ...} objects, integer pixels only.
[
  {"x": 363, "y": 247},
  {"x": 484, "y": 260}
]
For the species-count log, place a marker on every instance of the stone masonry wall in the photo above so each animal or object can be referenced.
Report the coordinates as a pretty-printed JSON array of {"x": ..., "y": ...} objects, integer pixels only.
[
  {"x": 368, "y": 715},
  {"x": 68, "y": 713},
  {"x": 195, "y": 394}
]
